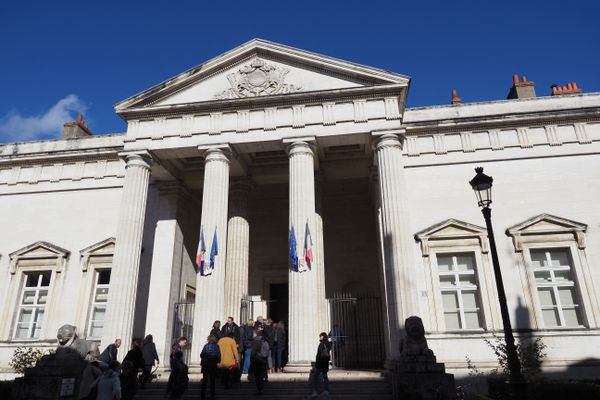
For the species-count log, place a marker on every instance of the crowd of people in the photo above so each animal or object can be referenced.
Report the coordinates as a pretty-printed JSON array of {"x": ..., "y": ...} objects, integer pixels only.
[{"x": 255, "y": 349}]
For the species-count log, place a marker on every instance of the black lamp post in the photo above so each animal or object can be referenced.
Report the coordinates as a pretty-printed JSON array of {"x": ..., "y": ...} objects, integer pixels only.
[{"x": 482, "y": 185}]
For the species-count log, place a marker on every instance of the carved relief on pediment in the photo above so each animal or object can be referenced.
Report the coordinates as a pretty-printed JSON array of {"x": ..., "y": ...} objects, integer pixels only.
[{"x": 257, "y": 79}]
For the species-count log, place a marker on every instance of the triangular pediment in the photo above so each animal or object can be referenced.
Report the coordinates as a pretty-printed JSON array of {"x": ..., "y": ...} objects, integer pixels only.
[
  {"x": 104, "y": 247},
  {"x": 545, "y": 223},
  {"x": 450, "y": 228},
  {"x": 40, "y": 250},
  {"x": 260, "y": 69}
]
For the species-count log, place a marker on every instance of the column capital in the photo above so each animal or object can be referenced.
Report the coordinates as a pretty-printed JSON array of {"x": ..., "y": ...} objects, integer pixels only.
[
  {"x": 300, "y": 145},
  {"x": 218, "y": 152},
  {"x": 389, "y": 138},
  {"x": 137, "y": 158}
]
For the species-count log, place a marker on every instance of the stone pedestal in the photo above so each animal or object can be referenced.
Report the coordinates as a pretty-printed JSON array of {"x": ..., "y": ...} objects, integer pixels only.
[
  {"x": 210, "y": 290},
  {"x": 120, "y": 309},
  {"x": 422, "y": 378},
  {"x": 57, "y": 376}
]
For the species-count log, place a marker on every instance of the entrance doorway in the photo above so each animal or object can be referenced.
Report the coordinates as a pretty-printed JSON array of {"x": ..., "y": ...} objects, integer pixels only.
[{"x": 278, "y": 302}]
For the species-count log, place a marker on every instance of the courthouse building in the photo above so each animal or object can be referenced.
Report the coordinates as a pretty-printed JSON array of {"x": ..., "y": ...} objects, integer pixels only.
[{"x": 102, "y": 231}]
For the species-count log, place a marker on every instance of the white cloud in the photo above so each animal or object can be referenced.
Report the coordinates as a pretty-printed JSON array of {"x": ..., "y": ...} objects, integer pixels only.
[{"x": 14, "y": 127}]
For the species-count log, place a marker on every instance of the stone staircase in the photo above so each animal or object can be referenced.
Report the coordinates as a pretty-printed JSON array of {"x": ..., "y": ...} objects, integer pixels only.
[{"x": 352, "y": 385}]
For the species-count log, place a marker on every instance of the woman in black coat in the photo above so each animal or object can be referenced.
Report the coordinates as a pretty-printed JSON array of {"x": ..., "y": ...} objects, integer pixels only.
[
  {"x": 135, "y": 356},
  {"x": 216, "y": 330}
]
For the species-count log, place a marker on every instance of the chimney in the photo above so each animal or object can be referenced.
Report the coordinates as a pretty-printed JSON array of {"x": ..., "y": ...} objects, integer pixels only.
[
  {"x": 76, "y": 129},
  {"x": 569, "y": 88},
  {"x": 521, "y": 89},
  {"x": 455, "y": 98}
]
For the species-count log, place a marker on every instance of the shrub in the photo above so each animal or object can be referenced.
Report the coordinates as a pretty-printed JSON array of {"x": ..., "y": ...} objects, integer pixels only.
[
  {"x": 531, "y": 353},
  {"x": 25, "y": 357}
]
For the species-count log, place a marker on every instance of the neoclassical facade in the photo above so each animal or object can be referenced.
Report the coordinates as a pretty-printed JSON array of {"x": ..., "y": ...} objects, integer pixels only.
[{"x": 102, "y": 231}]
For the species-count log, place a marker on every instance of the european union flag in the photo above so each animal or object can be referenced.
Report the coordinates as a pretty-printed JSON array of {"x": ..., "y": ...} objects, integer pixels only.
[
  {"x": 293, "y": 254},
  {"x": 214, "y": 251}
]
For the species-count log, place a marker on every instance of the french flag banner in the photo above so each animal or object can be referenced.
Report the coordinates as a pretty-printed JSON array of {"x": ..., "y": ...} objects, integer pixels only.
[
  {"x": 308, "y": 245},
  {"x": 214, "y": 252},
  {"x": 293, "y": 259},
  {"x": 200, "y": 253}
]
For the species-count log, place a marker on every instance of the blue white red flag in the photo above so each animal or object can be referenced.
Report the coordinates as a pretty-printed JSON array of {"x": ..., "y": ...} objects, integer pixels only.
[
  {"x": 200, "y": 253},
  {"x": 214, "y": 251},
  {"x": 293, "y": 254},
  {"x": 308, "y": 245}
]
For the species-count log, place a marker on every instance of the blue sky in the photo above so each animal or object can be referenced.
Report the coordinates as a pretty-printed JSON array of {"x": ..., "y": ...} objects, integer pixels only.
[{"x": 58, "y": 58}]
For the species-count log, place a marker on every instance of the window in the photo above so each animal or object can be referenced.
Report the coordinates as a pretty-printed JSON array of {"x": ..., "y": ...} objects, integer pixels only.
[
  {"x": 32, "y": 306},
  {"x": 553, "y": 273},
  {"x": 98, "y": 304},
  {"x": 458, "y": 285}
]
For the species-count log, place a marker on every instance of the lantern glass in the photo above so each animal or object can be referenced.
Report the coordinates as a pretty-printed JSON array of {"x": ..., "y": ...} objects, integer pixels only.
[{"x": 482, "y": 186}]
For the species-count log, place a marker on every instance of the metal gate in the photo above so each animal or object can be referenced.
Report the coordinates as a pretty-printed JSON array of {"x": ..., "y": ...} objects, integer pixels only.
[
  {"x": 246, "y": 309},
  {"x": 184, "y": 325},
  {"x": 356, "y": 331}
]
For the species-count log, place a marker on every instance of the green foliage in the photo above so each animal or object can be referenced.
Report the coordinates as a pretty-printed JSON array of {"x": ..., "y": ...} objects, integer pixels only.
[
  {"x": 530, "y": 350},
  {"x": 26, "y": 357}
]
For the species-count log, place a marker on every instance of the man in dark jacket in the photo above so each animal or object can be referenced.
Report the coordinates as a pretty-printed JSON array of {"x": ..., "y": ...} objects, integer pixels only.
[
  {"x": 247, "y": 336},
  {"x": 150, "y": 357},
  {"x": 231, "y": 327},
  {"x": 178, "y": 347},
  {"x": 109, "y": 354},
  {"x": 322, "y": 364},
  {"x": 258, "y": 359}
]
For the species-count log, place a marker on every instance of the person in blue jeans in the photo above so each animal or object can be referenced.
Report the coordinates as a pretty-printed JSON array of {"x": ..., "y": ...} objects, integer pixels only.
[
  {"x": 247, "y": 337},
  {"x": 322, "y": 365}
]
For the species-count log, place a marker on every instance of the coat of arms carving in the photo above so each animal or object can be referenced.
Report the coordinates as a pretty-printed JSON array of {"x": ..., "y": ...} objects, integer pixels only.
[{"x": 257, "y": 79}]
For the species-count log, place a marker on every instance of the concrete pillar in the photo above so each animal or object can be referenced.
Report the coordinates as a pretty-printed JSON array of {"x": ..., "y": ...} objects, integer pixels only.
[
  {"x": 238, "y": 247},
  {"x": 120, "y": 309},
  {"x": 210, "y": 297},
  {"x": 323, "y": 316},
  {"x": 400, "y": 283},
  {"x": 305, "y": 306},
  {"x": 165, "y": 276}
]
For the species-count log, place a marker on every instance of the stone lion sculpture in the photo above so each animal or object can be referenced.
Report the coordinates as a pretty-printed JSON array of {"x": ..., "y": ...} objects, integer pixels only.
[
  {"x": 414, "y": 342},
  {"x": 68, "y": 341}
]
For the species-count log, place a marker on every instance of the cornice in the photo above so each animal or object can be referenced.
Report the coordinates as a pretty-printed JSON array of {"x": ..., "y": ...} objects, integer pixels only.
[
  {"x": 283, "y": 100},
  {"x": 61, "y": 157}
]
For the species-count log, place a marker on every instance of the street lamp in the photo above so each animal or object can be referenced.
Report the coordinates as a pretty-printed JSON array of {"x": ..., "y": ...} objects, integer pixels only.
[{"x": 482, "y": 185}]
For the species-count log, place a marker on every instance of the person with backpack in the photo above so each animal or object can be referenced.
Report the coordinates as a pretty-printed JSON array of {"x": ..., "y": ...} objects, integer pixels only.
[
  {"x": 258, "y": 359},
  {"x": 247, "y": 337},
  {"x": 210, "y": 357},
  {"x": 108, "y": 386},
  {"x": 322, "y": 365}
]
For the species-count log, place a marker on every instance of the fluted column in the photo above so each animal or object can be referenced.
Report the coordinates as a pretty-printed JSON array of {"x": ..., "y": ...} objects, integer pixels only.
[
  {"x": 400, "y": 284},
  {"x": 322, "y": 316},
  {"x": 238, "y": 247},
  {"x": 210, "y": 298},
  {"x": 375, "y": 199},
  {"x": 304, "y": 304},
  {"x": 120, "y": 310}
]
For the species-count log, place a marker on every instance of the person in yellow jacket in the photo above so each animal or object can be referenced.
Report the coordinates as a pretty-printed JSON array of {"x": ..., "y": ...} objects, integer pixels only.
[{"x": 230, "y": 358}]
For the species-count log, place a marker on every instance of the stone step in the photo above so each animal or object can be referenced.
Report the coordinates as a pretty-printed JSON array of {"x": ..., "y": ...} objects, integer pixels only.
[{"x": 281, "y": 389}]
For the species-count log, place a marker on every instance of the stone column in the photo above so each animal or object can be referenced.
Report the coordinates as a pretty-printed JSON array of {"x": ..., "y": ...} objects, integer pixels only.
[
  {"x": 305, "y": 305},
  {"x": 210, "y": 298},
  {"x": 165, "y": 277},
  {"x": 120, "y": 309},
  {"x": 375, "y": 200},
  {"x": 323, "y": 316},
  {"x": 400, "y": 283},
  {"x": 238, "y": 247}
]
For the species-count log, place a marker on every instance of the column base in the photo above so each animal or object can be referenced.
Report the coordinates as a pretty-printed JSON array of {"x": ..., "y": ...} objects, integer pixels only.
[{"x": 298, "y": 366}]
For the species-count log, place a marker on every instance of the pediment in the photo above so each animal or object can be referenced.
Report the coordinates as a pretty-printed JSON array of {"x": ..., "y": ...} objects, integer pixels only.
[
  {"x": 260, "y": 69},
  {"x": 545, "y": 223},
  {"x": 39, "y": 251},
  {"x": 101, "y": 252},
  {"x": 450, "y": 228}
]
